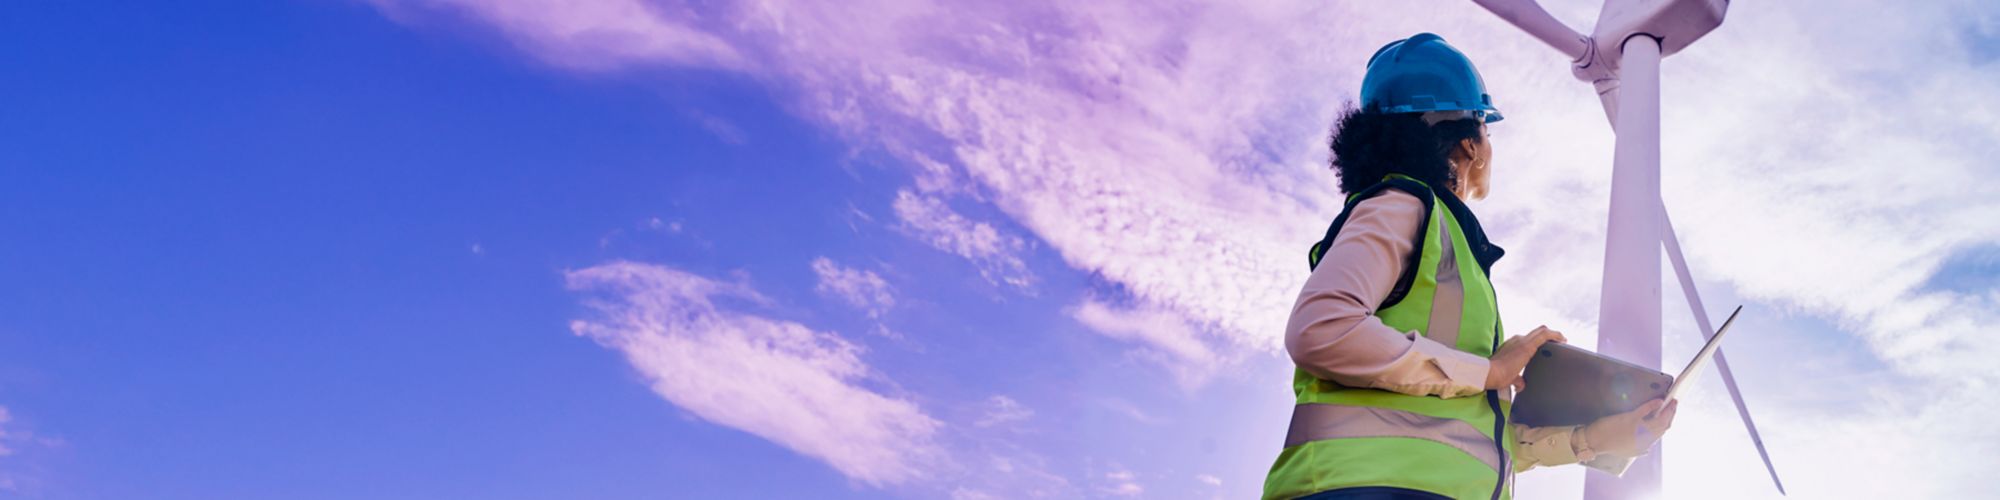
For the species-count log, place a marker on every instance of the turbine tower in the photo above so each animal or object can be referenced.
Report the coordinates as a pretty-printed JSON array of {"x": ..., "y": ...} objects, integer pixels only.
[{"x": 1621, "y": 58}]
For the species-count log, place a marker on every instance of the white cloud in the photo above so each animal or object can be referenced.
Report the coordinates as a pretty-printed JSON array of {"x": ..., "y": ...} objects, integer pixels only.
[
  {"x": 23, "y": 467},
  {"x": 722, "y": 128},
  {"x": 1165, "y": 338},
  {"x": 1822, "y": 157},
  {"x": 1208, "y": 479},
  {"x": 1123, "y": 483},
  {"x": 996, "y": 255},
  {"x": 781, "y": 381},
  {"x": 597, "y": 35},
  {"x": 860, "y": 288},
  {"x": 963, "y": 493},
  {"x": 9, "y": 478},
  {"x": 806, "y": 390},
  {"x": 6, "y": 420},
  {"x": 1003, "y": 410},
  {"x": 1126, "y": 408},
  {"x": 1009, "y": 470},
  {"x": 661, "y": 225}
]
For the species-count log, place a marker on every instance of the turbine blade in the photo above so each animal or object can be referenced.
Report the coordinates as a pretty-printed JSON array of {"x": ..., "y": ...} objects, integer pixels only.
[
  {"x": 1530, "y": 17},
  {"x": 1707, "y": 331}
]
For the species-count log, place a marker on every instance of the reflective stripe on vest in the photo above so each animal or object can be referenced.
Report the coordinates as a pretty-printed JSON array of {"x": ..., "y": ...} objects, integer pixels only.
[
  {"x": 1449, "y": 301},
  {"x": 1314, "y": 422}
]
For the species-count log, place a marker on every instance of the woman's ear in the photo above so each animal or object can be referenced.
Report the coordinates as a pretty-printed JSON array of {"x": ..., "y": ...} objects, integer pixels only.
[{"x": 1468, "y": 150}]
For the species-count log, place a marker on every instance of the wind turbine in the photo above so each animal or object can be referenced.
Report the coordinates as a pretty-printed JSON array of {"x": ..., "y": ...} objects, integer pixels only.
[{"x": 1621, "y": 58}]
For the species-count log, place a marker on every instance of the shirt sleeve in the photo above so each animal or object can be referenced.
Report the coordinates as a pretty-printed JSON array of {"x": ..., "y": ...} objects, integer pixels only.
[
  {"x": 1334, "y": 333},
  {"x": 1612, "y": 464},
  {"x": 1543, "y": 446},
  {"x": 1553, "y": 446}
]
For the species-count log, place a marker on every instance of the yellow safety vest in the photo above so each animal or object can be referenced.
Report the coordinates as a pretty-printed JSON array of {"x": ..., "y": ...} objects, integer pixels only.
[{"x": 1344, "y": 437}]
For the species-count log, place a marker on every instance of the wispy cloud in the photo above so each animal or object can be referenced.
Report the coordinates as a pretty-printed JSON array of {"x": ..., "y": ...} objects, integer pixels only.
[
  {"x": 1165, "y": 338},
  {"x": 6, "y": 419},
  {"x": 781, "y": 381},
  {"x": 721, "y": 127},
  {"x": 997, "y": 255},
  {"x": 860, "y": 288},
  {"x": 1824, "y": 158},
  {"x": 1173, "y": 146},
  {"x": 1003, "y": 410},
  {"x": 598, "y": 35},
  {"x": 701, "y": 349},
  {"x": 1122, "y": 483},
  {"x": 23, "y": 457},
  {"x": 1127, "y": 409},
  {"x": 8, "y": 436}
]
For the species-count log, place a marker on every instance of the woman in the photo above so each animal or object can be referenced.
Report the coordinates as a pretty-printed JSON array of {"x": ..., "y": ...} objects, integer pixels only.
[{"x": 1403, "y": 382}]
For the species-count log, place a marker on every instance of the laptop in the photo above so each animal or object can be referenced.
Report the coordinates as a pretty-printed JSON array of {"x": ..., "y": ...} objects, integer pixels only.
[{"x": 1568, "y": 385}]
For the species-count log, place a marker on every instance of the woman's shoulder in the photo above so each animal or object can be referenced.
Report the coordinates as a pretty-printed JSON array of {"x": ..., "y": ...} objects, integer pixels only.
[
  {"x": 1387, "y": 212},
  {"x": 1390, "y": 201}
]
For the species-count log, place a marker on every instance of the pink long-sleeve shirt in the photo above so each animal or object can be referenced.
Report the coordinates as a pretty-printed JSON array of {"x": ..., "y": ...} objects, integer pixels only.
[{"x": 1335, "y": 335}]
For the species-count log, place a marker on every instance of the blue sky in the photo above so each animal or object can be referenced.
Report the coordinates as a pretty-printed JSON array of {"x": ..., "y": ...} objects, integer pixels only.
[
  {"x": 241, "y": 243},
  {"x": 621, "y": 249}
]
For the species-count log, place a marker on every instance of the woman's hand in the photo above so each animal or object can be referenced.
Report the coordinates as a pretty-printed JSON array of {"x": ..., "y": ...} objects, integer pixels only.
[
  {"x": 1631, "y": 433},
  {"x": 1505, "y": 366}
]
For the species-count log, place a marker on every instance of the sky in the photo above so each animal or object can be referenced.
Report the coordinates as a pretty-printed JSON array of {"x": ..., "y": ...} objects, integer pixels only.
[{"x": 911, "y": 248}]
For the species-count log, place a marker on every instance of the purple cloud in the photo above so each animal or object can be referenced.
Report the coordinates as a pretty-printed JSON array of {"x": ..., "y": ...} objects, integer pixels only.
[
  {"x": 778, "y": 380},
  {"x": 860, "y": 288},
  {"x": 1172, "y": 148}
]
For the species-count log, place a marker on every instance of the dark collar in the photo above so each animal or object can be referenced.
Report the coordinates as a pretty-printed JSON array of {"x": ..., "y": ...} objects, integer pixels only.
[{"x": 1483, "y": 249}]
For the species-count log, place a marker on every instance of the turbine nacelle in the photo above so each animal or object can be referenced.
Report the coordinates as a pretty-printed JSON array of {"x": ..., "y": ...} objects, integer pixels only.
[
  {"x": 1596, "y": 58},
  {"x": 1675, "y": 23}
]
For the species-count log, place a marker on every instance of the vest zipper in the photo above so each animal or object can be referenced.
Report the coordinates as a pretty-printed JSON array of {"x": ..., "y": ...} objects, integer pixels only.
[
  {"x": 1493, "y": 401},
  {"x": 1500, "y": 442}
]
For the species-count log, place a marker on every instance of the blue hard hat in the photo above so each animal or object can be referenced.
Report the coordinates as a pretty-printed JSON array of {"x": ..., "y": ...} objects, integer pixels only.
[{"x": 1423, "y": 74}]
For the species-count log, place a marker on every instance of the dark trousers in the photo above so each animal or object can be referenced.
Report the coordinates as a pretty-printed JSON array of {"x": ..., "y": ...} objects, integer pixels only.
[{"x": 1374, "y": 493}]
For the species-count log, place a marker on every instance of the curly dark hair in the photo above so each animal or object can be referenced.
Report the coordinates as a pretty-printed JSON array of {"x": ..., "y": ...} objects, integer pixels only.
[{"x": 1369, "y": 145}]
